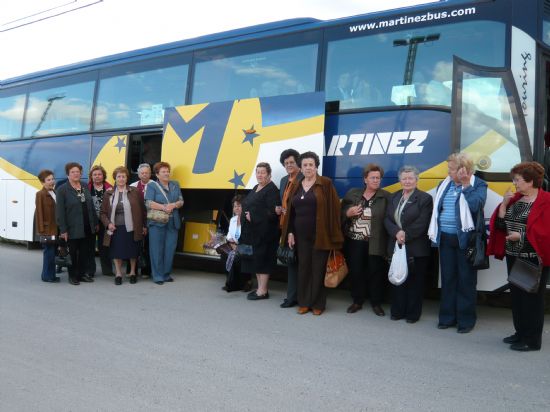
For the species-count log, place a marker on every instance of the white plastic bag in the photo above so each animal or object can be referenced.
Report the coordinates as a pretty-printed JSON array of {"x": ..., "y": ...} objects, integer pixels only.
[{"x": 398, "y": 268}]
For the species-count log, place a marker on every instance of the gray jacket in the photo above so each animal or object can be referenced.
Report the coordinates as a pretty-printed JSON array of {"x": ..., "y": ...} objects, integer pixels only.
[{"x": 68, "y": 211}]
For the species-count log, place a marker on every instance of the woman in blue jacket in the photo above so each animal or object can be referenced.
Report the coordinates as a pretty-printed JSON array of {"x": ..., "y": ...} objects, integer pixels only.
[
  {"x": 164, "y": 195},
  {"x": 458, "y": 200}
]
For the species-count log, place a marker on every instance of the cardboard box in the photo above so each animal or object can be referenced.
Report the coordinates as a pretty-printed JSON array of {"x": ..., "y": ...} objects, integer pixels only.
[{"x": 196, "y": 235}]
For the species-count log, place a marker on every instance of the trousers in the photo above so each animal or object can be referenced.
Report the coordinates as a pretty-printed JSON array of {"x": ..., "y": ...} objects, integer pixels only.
[{"x": 162, "y": 246}]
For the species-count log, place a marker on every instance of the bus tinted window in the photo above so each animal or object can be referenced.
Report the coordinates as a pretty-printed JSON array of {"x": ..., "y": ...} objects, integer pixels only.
[
  {"x": 60, "y": 109},
  {"x": 411, "y": 67},
  {"x": 11, "y": 116},
  {"x": 546, "y": 31},
  {"x": 269, "y": 73},
  {"x": 137, "y": 95}
]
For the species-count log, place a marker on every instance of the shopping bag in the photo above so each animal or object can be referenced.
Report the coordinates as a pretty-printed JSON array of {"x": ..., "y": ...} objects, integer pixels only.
[{"x": 398, "y": 267}]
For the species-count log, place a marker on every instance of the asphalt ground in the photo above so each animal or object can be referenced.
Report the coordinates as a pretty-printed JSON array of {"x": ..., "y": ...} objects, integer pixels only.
[{"x": 189, "y": 346}]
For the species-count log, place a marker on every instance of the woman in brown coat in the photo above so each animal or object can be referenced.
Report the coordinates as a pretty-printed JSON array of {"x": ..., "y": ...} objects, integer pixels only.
[
  {"x": 45, "y": 223},
  {"x": 123, "y": 215},
  {"x": 312, "y": 223}
]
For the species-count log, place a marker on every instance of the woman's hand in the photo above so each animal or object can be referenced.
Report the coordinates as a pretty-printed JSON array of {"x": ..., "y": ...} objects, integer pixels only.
[
  {"x": 278, "y": 210},
  {"x": 464, "y": 177},
  {"x": 513, "y": 236},
  {"x": 64, "y": 236},
  {"x": 400, "y": 237},
  {"x": 144, "y": 231},
  {"x": 169, "y": 207},
  {"x": 111, "y": 227},
  {"x": 291, "y": 241},
  {"x": 507, "y": 197},
  {"x": 247, "y": 215},
  {"x": 354, "y": 211}
]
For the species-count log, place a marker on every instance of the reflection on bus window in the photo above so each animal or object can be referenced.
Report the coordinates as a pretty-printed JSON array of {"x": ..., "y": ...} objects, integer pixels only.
[
  {"x": 271, "y": 73},
  {"x": 546, "y": 31},
  {"x": 11, "y": 116},
  {"x": 411, "y": 67},
  {"x": 58, "y": 110},
  {"x": 138, "y": 98},
  {"x": 488, "y": 131}
]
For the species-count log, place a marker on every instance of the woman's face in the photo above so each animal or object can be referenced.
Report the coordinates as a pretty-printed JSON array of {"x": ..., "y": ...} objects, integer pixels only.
[
  {"x": 291, "y": 166},
  {"x": 121, "y": 179},
  {"x": 521, "y": 185},
  {"x": 237, "y": 208},
  {"x": 164, "y": 174},
  {"x": 144, "y": 174},
  {"x": 97, "y": 177},
  {"x": 262, "y": 176},
  {"x": 309, "y": 169},
  {"x": 452, "y": 171},
  {"x": 49, "y": 182},
  {"x": 373, "y": 180},
  {"x": 74, "y": 174},
  {"x": 408, "y": 181}
]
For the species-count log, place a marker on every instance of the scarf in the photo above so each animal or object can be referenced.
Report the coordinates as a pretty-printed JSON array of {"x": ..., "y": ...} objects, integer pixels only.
[
  {"x": 466, "y": 221},
  {"x": 127, "y": 210}
]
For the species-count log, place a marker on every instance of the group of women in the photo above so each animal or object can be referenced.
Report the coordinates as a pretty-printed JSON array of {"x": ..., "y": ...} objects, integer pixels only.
[
  {"x": 306, "y": 215},
  {"x": 114, "y": 215},
  {"x": 370, "y": 223}
]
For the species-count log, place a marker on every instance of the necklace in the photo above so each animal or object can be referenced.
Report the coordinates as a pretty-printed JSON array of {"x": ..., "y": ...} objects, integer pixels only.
[{"x": 305, "y": 189}]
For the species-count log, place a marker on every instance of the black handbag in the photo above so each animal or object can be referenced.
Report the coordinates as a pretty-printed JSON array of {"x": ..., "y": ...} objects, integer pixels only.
[
  {"x": 62, "y": 257},
  {"x": 525, "y": 275},
  {"x": 286, "y": 255},
  {"x": 223, "y": 248},
  {"x": 477, "y": 245}
]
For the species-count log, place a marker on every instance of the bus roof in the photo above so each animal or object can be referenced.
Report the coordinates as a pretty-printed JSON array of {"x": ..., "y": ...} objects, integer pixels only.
[{"x": 217, "y": 39}]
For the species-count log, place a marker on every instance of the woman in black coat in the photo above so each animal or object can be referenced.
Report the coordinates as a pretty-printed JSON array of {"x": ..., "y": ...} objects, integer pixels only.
[
  {"x": 260, "y": 228},
  {"x": 407, "y": 221}
]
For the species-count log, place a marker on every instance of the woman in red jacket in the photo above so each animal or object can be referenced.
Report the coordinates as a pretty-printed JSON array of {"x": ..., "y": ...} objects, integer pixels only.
[{"x": 520, "y": 229}]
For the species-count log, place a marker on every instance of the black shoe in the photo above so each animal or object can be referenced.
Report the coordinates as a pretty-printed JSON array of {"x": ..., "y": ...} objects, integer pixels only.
[
  {"x": 118, "y": 280},
  {"x": 159, "y": 282},
  {"x": 170, "y": 279},
  {"x": 247, "y": 286},
  {"x": 255, "y": 296},
  {"x": 86, "y": 279},
  {"x": 74, "y": 281},
  {"x": 133, "y": 279},
  {"x": 54, "y": 280},
  {"x": 444, "y": 326},
  {"x": 512, "y": 339},
  {"x": 523, "y": 347},
  {"x": 288, "y": 303},
  {"x": 253, "y": 293},
  {"x": 393, "y": 317},
  {"x": 378, "y": 311},
  {"x": 354, "y": 307},
  {"x": 412, "y": 320},
  {"x": 464, "y": 330}
]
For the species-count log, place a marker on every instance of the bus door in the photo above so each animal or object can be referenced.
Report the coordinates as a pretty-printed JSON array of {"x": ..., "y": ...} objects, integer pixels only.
[
  {"x": 143, "y": 148},
  {"x": 489, "y": 124},
  {"x": 544, "y": 124}
]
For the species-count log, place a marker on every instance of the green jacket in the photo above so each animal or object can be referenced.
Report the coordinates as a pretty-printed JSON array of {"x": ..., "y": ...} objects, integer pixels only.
[{"x": 378, "y": 241}]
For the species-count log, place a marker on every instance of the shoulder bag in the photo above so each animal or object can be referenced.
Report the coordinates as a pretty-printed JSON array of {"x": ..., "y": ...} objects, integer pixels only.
[
  {"x": 477, "y": 245},
  {"x": 337, "y": 269},
  {"x": 158, "y": 216},
  {"x": 525, "y": 275}
]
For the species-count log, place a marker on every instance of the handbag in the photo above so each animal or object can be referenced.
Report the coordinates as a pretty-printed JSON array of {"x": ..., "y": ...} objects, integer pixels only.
[
  {"x": 159, "y": 216},
  {"x": 223, "y": 248},
  {"x": 62, "y": 257},
  {"x": 47, "y": 240},
  {"x": 337, "y": 269},
  {"x": 477, "y": 245},
  {"x": 525, "y": 275},
  {"x": 286, "y": 255},
  {"x": 399, "y": 267},
  {"x": 244, "y": 250}
]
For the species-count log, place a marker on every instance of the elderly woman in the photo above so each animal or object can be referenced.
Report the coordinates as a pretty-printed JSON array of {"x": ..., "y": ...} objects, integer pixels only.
[
  {"x": 77, "y": 222},
  {"x": 363, "y": 211},
  {"x": 260, "y": 229},
  {"x": 458, "y": 200},
  {"x": 164, "y": 195},
  {"x": 407, "y": 220},
  {"x": 520, "y": 230},
  {"x": 312, "y": 224},
  {"x": 123, "y": 215},
  {"x": 97, "y": 185},
  {"x": 289, "y": 160},
  {"x": 144, "y": 174},
  {"x": 45, "y": 223}
]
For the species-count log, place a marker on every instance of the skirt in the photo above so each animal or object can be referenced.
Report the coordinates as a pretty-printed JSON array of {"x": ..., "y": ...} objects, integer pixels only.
[{"x": 123, "y": 245}]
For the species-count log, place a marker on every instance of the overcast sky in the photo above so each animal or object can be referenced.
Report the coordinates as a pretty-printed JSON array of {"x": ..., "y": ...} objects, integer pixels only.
[{"x": 113, "y": 26}]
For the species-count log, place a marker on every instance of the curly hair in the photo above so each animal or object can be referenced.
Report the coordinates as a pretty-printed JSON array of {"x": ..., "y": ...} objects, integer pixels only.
[{"x": 530, "y": 172}]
